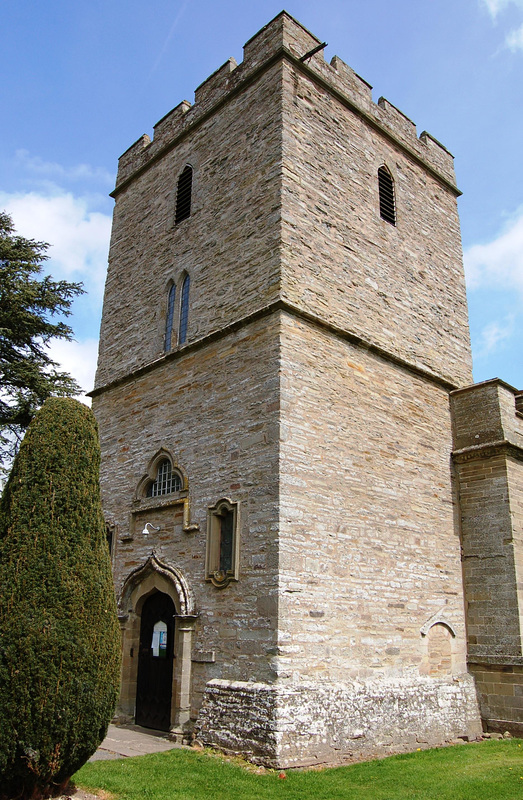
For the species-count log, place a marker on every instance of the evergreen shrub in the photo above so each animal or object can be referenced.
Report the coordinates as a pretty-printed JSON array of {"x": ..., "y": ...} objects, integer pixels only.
[{"x": 59, "y": 635}]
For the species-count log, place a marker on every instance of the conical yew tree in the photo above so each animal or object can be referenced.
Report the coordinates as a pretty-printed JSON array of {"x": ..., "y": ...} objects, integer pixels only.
[{"x": 59, "y": 637}]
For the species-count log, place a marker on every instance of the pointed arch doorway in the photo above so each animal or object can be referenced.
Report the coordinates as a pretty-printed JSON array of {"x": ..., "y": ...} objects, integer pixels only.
[
  {"x": 154, "y": 681},
  {"x": 157, "y": 616}
]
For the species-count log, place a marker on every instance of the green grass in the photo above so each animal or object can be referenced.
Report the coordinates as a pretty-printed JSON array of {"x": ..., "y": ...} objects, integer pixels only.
[{"x": 490, "y": 770}]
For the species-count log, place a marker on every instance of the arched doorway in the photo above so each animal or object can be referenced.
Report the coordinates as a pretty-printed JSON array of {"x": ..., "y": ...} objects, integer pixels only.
[
  {"x": 154, "y": 593},
  {"x": 155, "y": 663}
]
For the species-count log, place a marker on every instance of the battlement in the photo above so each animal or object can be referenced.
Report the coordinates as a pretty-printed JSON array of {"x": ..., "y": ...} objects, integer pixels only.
[{"x": 285, "y": 38}]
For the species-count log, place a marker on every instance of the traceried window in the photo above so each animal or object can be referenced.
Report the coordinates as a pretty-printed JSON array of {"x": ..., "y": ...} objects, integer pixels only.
[
  {"x": 169, "y": 318},
  {"x": 184, "y": 310},
  {"x": 166, "y": 481},
  {"x": 386, "y": 191},
  {"x": 222, "y": 543},
  {"x": 183, "y": 195}
]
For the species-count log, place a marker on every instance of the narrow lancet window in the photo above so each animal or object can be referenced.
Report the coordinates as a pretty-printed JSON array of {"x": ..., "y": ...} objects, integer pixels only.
[
  {"x": 184, "y": 311},
  {"x": 170, "y": 318},
  {"x": 386, "y": 190},
  {"x": 183, "y": 195},
  {"x": 222, "y": 562},
  {"x": 226, "y": 540}
]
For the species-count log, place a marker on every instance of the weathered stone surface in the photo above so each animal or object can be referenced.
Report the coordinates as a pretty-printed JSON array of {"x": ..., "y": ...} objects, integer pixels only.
[
  {"x": 316, "y": 722},
  {"x": 312, "y": 392},
  {"x": 488, "y": 437}
]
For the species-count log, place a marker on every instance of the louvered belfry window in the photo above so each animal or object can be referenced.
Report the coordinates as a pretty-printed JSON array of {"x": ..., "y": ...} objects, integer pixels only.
[
  {"x": 183, "y": 195},
  {"x": 386, "y": 189}
]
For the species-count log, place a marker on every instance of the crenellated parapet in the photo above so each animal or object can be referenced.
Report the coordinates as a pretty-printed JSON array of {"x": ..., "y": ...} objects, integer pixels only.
[
  {"x": 284, "y": 38},
  {"x": 135, "y": 157},
  {"x": 215, "y": 86},
  {"x": 171, "y": 124}
]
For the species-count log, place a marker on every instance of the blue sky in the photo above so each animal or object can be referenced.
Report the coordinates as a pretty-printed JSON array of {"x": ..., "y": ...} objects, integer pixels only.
[{"x": 84, "y": 79}]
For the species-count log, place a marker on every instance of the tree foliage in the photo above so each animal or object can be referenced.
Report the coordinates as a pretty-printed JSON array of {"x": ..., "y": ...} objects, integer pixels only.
[
  {"x": 59, "y": 634},
  {"x": 29, "y": 305}
]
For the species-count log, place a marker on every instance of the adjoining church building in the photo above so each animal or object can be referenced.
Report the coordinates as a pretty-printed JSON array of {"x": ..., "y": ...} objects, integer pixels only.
[{"x": 305, "y": 490}]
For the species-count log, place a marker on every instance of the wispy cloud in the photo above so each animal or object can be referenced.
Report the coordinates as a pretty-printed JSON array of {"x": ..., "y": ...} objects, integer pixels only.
[
  {"x": 492, "y": 336},
  {"x": 514, "y": 40},
  {"x": 173, "y": 27},
  {"x": 78, "y": 235},
  {"x": 499, "y": 263},
  {"x": 514, "y": 37},
  {"x": 495, "y": 7},
  {"x": 51, "y": 169}
]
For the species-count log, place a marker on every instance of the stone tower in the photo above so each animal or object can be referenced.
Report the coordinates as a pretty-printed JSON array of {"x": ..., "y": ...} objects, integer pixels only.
[{"x": 284, "y": 320}]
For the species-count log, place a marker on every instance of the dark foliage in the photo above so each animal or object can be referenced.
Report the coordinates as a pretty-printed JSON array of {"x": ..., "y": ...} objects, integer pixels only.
[
  {"x": 28, "y": 304},
  {"x": 59, "y": 637}
]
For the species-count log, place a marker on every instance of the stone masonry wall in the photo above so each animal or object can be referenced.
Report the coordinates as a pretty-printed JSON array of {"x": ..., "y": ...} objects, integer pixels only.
[
  {"x": 369, "y": 550},
  {"x": 349, "y": 603},
  {"x": 215, "y": 410},
  {"x": 493, "y": 614},
  {"x": 499, "y": 684},
  {"x": 400, "y": 287},
  {"x": 316, "y": 722},
  {"x": 488, "y": 437},
  {"x": 229, "y": 245},
  {"x": 323, "y": 168}
]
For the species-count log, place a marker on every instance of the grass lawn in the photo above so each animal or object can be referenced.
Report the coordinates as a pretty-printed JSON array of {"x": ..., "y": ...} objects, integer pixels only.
[{"x": 490, "y": 770}]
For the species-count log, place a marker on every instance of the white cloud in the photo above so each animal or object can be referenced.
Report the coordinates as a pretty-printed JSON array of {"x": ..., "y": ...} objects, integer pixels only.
[
  {"x": 51, "y": 169},
  {"x": 493, "y": 335},
  {"x": 79, "y": 360},
  {"x": 499, "y": 263},
  {"x": 514, "y": 40},
  {"x": 495, "y": 7},
  {"x": 79, "y": 236}
]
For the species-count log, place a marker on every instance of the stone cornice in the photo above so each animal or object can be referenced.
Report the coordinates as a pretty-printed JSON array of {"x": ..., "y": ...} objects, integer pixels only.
[
  {"x": 472, "y": 387},
  {"x": 294, "y": 311},
  {"x": 488, "y": 450},
  {"x": 279, "y": 55}
]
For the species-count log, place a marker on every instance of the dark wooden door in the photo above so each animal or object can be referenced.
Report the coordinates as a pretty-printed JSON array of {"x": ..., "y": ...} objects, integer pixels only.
[{"x": 155, "y": 663}]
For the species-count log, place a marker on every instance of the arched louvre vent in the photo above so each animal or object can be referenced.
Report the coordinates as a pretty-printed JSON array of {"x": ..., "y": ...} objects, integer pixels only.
[
  {"x": 183, "y": 195},
  {"x": 386, "y": 189}
]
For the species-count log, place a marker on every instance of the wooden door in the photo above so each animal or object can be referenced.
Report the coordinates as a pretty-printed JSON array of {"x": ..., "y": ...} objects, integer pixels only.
[{"x": 155, "y": 663}]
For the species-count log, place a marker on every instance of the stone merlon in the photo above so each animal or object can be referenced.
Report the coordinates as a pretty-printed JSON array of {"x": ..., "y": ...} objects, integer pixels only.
[{"x": 284, "y": 38}]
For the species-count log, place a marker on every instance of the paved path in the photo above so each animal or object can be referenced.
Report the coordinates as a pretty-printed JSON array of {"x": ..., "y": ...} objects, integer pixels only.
[{"x": 123, "y": 741}]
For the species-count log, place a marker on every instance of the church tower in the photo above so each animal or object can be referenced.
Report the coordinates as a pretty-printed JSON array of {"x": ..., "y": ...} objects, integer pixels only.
[{"x": 284, "y": 320}]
